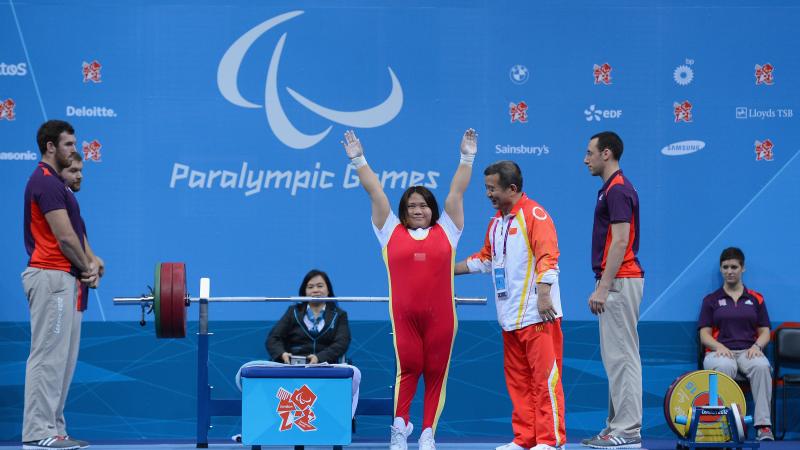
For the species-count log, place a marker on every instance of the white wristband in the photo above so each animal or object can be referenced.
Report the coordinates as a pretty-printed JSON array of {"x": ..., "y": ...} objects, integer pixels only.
[
  {"x": 358, "y": 161},
  {"x": 467, "y": 159}
]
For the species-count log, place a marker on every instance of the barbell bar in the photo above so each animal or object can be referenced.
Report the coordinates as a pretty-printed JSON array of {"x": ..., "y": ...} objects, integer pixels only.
[{"x": 169, "y": 299}]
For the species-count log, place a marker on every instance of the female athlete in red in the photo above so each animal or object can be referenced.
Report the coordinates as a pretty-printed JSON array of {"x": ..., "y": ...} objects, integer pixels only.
[{"x": 419, "y": 249}]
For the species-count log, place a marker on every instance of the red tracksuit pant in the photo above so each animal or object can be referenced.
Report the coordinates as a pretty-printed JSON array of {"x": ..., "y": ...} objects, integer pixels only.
[{"x": 532, "y": 360}]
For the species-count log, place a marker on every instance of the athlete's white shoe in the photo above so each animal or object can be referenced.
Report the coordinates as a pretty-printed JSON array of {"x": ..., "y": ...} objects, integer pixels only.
[
  {"x": 426, "y": 441},
  {"x": 511, "y": 446},
  {"x": 400, "y": 433}
]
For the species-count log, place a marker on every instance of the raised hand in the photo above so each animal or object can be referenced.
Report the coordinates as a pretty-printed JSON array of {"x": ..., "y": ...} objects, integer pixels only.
[
  {"x": 352, "y": 146},
  {"x": 469, "y": 143}
]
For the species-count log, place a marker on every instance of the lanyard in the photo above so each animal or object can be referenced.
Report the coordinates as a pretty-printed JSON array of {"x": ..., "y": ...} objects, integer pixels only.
[{"x": 505, "y": 238}]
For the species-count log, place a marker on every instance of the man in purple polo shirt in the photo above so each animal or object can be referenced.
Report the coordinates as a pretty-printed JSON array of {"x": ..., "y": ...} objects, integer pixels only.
[
  {"x": 618, "y": 292},
  {"x": 734, "y": 327},
  {"x": 54, "y": 239}
]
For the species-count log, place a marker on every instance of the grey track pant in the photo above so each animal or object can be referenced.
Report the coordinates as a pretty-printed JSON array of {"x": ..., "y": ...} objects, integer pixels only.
[
  {"x": 757, "y": 371},
  {"x": 619, "y": 348},
  {"x": 55, "y": 340}
]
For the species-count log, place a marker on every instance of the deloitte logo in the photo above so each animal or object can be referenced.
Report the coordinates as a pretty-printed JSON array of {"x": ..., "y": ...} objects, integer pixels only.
[
  {"x": 90, "y": 111},
  {"x": 13, "y": 70},
  {"x": 282, "y": 127},
  {"x": 682, "y": 148}
]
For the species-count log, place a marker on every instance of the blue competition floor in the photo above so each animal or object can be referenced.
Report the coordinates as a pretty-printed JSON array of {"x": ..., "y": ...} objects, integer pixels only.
[{"x": 648, "y": 445}]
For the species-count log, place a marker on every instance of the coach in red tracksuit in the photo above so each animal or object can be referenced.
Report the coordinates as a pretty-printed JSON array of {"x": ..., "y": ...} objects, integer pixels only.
[{"x": 419, "y": 249}]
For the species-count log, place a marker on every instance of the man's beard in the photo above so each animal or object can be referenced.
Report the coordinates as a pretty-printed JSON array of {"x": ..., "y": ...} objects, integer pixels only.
[{"x": 62, "y": 161}]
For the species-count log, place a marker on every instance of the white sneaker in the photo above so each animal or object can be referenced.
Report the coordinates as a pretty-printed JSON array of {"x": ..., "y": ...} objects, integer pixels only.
[
  {"x": 400, "y": 433},
  {"x": 546, "y": 447},
  {"x": 426, "y": 441},
  {"x": 510, "y": 446}
]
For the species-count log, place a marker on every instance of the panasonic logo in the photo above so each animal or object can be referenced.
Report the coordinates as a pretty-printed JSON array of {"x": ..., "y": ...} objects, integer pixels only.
[
  {"x": 18, "y": 156},
  {"x": 683, "y": 148}
]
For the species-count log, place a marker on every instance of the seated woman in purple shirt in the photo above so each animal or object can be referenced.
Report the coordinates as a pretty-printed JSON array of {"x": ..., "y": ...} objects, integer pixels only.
[{"x": 734, "y": 328}]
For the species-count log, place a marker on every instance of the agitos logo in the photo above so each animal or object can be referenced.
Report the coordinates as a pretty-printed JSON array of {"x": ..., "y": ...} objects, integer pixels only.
[{"x": 284, "y": 130}]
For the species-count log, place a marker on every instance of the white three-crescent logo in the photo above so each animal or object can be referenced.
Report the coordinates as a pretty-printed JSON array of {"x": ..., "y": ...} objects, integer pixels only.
[{"x": 227, "y": 76}]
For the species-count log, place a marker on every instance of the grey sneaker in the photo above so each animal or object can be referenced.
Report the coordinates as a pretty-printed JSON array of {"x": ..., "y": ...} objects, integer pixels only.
[
  {"x": 765, "y": 434},
  {"x": 585, "y": 442},
  {"x": 609, "y": 441},
  {"x": 58, "y": 442},
  {"x": 81, "y": 444}
]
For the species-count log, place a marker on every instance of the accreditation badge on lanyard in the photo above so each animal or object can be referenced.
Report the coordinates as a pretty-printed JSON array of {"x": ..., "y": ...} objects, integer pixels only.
[{"x": 500, "y": 281}]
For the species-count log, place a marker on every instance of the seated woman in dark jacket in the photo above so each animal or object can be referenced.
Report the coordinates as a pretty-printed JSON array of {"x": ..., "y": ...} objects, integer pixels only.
[{"x": 318, "y": 331}]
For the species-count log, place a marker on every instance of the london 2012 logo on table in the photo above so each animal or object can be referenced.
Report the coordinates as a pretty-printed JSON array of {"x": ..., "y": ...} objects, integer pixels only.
[
  {"x": 296, "y": 408},
  {"x": 282, "y": 127}
]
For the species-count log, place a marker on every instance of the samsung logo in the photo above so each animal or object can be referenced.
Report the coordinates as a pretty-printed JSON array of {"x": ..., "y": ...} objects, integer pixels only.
[{"x": 682, "y": 148}]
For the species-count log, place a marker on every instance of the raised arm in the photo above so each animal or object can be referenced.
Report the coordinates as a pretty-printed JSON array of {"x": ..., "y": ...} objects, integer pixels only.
[
  {"x": 380, "y": 203},
  {"x": 454, "y": 205}
]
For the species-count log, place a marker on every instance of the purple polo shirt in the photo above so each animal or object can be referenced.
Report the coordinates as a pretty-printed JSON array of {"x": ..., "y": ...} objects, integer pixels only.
[
  {"x": 47, "y": 192},
  {"x": 734, "y": 325},
  {"x": 617, "y": 202}
]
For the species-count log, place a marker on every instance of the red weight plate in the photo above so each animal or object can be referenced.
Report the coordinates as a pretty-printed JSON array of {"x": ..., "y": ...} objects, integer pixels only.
[
  {"x": 167, "y": 315},
  {"x": 667, "y": 413},
  {"x": 178, "y": 299}
]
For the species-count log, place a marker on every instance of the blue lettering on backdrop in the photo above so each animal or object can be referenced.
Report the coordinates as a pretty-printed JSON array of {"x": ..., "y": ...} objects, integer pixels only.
[{"x": 211, "y": 134}]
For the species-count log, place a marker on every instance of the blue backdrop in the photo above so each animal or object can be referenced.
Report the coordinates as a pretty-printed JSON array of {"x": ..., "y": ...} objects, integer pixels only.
[
  {"x": 192, "y": 167},
  {"x": 212, "y": 128}
]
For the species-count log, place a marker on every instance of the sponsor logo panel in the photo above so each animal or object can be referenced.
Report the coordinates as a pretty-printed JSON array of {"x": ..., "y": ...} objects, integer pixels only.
[
  {"x": 593, "y": 113},
  {"x": 519, "y": 74},
  {"x": 683, "y": 148},
  {"x": 13, "y": 70},
  {"x": 522, "y": 149}
]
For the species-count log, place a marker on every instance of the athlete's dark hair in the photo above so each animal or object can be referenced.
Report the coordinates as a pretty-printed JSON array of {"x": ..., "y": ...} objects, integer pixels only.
[{"x": 402, "y": 209}]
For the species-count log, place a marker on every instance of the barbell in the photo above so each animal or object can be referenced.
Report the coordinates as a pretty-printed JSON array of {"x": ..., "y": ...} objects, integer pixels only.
[{"x": 169, "y": 299}]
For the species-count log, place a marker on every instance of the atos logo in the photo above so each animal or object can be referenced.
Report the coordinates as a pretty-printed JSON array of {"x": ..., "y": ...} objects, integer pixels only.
[
  {"x": 7, "y": 109},
  {"x": 91, "y": 72},
  {"x": 13, "y": 70},
  {"x": 282, "y": 127},
  {"x": 764, "y": 74},
  {"x": 602, "y": 74}
]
